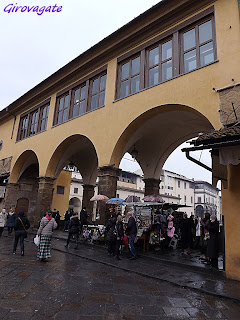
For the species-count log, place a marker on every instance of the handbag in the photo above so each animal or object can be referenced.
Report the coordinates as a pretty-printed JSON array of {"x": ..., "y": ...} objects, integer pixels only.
[
  {"x": 36, "y": 240},
  {"x": 25, "y": 235}
]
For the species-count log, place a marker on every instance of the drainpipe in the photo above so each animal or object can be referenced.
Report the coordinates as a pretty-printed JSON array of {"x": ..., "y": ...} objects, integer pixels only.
[
  {"x": 14, "y": 116},
  {"x": 197, "y": 162}
]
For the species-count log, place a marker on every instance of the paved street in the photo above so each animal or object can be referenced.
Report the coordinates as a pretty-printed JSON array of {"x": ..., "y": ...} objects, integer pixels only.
[{"x": 73, "y": 287}]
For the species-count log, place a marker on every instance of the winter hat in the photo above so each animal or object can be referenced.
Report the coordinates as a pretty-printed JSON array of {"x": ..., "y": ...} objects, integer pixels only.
[{"x": 21, "y": 213}]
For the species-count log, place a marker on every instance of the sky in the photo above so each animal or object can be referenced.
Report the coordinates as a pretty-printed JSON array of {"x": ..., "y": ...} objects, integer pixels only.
[{"x": 35, "y": 46}]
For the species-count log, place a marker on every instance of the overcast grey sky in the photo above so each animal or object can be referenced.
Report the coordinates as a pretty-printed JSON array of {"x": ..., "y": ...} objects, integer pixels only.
[{"x": 35, "y": 46}]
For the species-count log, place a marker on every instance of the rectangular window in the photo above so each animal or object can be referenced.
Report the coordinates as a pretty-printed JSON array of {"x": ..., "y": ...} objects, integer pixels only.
[
  {"x": 75, "y": 190},
  {"x": 98, "y": 86},
  {"x": 33, "y": 122},
  {"x": 44, "y": 117},
  {"x": 185, "y": 185},
  {"x": 60, "y": 190},
  {"x": 23, "y": 127},
  {"x": 79, "y": 101},
  {"x": 130, "y": 77},
  {"x": 198, "y": 46},
  {"x": 63, "y": 108},
  {"x": 185, "y": 199},
  {"x": 160, "y": 63},
  {"x": 179, "y": 184},
  {"x": 199, "y": 200},
  {"x": 191, "y": 199}
]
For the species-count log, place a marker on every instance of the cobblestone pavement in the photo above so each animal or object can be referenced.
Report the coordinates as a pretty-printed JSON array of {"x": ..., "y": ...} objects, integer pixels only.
[{"x": 71, "y": 287}]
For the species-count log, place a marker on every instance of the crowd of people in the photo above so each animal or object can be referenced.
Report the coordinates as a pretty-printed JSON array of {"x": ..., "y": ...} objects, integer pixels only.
[{"x": 193, "y": 232}]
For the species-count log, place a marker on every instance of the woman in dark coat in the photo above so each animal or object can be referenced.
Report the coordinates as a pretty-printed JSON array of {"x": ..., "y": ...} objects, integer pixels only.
[
  {"x": 119, "y": 233},
  {"x": 20, "y": 227},
  {"x": 11, "y": 217},
  {"x": 73, "y": 229},
  {"x": 111, "y": 236},
  {"x": 186, "y": 234},
  {"x": 213, "y": 241}
]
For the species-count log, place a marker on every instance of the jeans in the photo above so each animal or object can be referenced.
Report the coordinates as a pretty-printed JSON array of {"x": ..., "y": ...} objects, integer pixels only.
[
  {"x": 19, "y": 235},
  {"x": 70, "y": 234},
  {"x": 131, "y": 245},
  {"x": 1, "y": 231}
]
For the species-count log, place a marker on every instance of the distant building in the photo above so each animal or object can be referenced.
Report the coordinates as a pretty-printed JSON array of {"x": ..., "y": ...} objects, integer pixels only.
[{"x": 174, "y": 188}]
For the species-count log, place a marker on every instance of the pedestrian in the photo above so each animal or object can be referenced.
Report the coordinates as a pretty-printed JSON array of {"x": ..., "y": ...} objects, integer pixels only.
[
  {"x": 204, "y": 233},
  {"x": 119, "y": 234},
  {"x": 111, "y": 235},
  {"x": 57, "y": 219},
  {"x": 67, "y": 217},
  {"x": 3, "y": 218},
  {"x": 197, "y": 223},
  {"x": 73, "y": 229},
  {"x": 83, "y": 217},
  {"x": 186, "y": 234},
  {"x": 20, "y": 227},
  {"x": 213, "y": 241},
  {"x": 11, "y": 217},
  {"x": 131, "y": 231},
  {"x": 45, "y": 231}
]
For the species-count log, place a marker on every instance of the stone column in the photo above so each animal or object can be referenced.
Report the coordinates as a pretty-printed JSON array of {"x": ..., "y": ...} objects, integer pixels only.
[
  {"x": 230, "y": 210},
  {"x": 10, "y": 199},
  {"x": 107, "y": 185},
  {"x": 44, "y": 197},
  {"x": 88, "y": 193},
  {"x": 151, "y": 186}
]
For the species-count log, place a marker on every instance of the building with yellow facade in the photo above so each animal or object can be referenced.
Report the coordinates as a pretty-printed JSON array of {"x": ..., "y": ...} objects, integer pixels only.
[{"x": 151, "y": 85}]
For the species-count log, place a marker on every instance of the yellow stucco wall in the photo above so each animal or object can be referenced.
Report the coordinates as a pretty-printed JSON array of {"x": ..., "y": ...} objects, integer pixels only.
[
  {"x": 61, "y": 201},
  {"x": 230, "y": 210},
  {"x": 193, "y": 89}
]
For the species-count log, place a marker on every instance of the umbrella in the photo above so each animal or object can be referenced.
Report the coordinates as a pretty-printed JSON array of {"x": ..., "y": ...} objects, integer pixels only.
[
  {"x": 153, "y": 198},
  {"x": 99, "y": 197},
  {"x": 116, "y": 201},
  {"x": 132, "y": 199}
]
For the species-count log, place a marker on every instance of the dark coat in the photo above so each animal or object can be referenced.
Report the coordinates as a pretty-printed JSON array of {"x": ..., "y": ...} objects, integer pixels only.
[
  {"x": 119, "y": 229},
  {"x": 18, "y": 225},
  {"x": 11, "y": 218},
  {"x": 74, "y": 225},
  {"x": 213, "y": 242},
  {"x": 186, "y": 232},
  {"x": 131, "y": 226},
  {"x": 110, "y": 227},
  {"x": 83, "y": 217}
]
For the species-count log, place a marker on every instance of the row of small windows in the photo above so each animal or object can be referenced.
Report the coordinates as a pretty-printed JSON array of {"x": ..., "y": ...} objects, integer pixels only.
[
  {"x": 151, "y": 66},
  {"x": 167, "y": 59},
  {"x": 86, "y": 97},
  {"x": 33, "y": 122}
]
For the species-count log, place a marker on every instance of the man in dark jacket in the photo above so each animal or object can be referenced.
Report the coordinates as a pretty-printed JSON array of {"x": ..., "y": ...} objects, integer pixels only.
[
  {"x": 73, "y": 229},
  {"x": 213, "y": 242},
  {"x": 186, "y": 234},
  {"x": 20, "y": 227},
  {"x": 131, "y": 231}
]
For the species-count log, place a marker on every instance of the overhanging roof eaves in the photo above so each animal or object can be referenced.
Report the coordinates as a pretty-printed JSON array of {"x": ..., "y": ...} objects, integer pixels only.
[{"x": 215, "y": 145}]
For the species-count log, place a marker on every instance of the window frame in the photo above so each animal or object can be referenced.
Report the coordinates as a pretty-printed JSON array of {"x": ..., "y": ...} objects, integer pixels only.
[
  {"x": 70, "y": 90},
  {"x": 29, "y": 115},
  {"x": 175, "y": 34},
  {"x": 198, "y": 45}
]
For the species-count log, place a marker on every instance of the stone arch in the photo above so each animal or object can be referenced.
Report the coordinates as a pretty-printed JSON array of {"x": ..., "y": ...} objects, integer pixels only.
[
  {"x": 79, "y": 150},
  {"x": 25, "y": 160},
  {"x": 22, "y": 188},
  {"x": 75, "y": 204},
  {"x": 157, "y": 133}
]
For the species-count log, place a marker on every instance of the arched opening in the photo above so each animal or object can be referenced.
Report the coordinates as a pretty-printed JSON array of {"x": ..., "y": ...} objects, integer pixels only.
[
  {"x": 157, "y": 133},
  {"x": 75, "y": 204},
  {"x": 22, "y": 189},
  {"x": 75, "y": 155}
]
